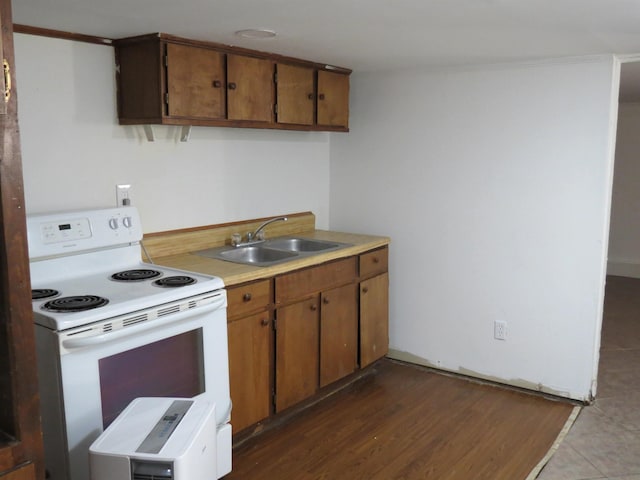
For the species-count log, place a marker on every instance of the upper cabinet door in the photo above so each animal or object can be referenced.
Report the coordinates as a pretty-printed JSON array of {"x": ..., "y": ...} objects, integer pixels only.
[
  {"x": 250, "y": 88},
  {"x": 333, "y": 99},
  {"x": 195, "y": 82},
  {"x": 295, "y": 94}
]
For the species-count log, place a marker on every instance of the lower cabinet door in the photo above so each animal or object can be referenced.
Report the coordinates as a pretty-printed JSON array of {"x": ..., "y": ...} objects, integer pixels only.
[
  {"x": 250, "y": 366},
  {"x": 374, "y": 319},
  {"x": 297, "y": 355},
  {"x": 338, "y": 333}
]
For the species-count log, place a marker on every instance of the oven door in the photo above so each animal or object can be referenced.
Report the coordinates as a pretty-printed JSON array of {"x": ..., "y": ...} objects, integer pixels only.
[{"x": 178, "y": 355}]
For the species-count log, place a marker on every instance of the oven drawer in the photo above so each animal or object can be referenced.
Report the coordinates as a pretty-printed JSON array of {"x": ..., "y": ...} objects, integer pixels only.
[{"x": 247, "y": 298}]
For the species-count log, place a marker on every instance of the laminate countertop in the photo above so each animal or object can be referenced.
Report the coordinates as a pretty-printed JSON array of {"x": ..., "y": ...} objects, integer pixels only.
[{"x": 236, "y": 273}]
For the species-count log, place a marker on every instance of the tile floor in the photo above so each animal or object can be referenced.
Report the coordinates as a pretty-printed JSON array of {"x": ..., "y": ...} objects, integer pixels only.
[{"x": 604, "y": 442}]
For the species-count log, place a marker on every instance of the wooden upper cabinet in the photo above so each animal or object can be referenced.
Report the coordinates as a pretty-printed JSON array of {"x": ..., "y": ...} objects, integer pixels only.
[
  {"x": 296, "y": 96},
  {"x": 195, "y": 82},
  {"x": 164, "y": 79},
  {"x": 333, "y": 99},
  {"x": 249, "y": 88}
]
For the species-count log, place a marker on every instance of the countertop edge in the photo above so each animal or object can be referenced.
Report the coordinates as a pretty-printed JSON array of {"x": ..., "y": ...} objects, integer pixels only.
[{"x": 235, "y": 274}]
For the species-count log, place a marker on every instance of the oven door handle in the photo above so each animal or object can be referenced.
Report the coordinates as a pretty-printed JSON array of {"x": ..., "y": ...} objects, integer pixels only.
[{"x": 72, "y": 343}]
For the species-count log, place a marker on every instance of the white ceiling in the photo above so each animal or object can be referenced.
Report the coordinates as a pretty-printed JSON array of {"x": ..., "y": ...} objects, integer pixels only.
[{"x": 367, "y": 35}]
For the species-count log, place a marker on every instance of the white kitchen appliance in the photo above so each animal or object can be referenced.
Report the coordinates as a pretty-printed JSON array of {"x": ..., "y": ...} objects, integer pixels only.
[
  {"x": 159, "y": 438},
  {"x": 111, "y": 328}
]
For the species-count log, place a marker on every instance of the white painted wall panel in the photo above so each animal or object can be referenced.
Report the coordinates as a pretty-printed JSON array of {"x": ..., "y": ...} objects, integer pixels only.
[
  {"x": 494, "y": 185},
  {"x": 624, "y": 238},
  {"x": 74, "y": 152}
]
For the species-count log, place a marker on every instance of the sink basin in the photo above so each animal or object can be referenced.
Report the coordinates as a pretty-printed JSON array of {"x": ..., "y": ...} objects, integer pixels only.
[
  {"x": 271, "y": 252},
  {"x": 302, "y": 244},
  {"x": 252, "y": 255}
]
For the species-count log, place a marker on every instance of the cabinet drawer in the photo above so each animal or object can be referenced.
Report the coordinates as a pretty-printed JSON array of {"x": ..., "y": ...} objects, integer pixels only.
[
  {"x": 375, "y": 262},
  {"x": 302, "y": 283},
  {"x": 250, "y": 297}
]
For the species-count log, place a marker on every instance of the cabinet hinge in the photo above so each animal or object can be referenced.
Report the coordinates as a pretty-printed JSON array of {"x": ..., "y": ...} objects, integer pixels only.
[
  {"x": 273, "y": 399},
  {"x": 166, "y": 98},
  {"x": 275, "y": 77},
  {"x": 275, "y": 108},
  {"x": 166, "y": 60}
]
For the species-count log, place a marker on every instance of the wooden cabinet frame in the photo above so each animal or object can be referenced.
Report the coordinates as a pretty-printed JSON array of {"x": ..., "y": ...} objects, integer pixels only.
[{"x": 146, "y": 88}]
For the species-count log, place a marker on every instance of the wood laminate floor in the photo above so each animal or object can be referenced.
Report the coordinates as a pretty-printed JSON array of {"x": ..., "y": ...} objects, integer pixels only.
[{"x": 406, "y": 423}]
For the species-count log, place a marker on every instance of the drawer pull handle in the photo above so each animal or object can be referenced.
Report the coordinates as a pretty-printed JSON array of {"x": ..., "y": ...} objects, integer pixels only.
[
  {"x": 376, "y": 260},
  {"x": 264, "y": 322},
  {"x": 365, "y": 289},
  {"x": 246, "y": 297}
]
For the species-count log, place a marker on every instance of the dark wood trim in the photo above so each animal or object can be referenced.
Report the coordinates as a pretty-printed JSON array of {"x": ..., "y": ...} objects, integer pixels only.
[
  {"x": 19, "y": 397},
  {"x": 47, "y": 32},
  {"x": 220, "y": 225}
]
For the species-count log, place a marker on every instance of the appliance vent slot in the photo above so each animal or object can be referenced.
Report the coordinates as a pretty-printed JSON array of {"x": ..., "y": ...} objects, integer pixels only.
[
  {"x": 193, "y": 304},
  {"x": 107, "y": 327},
  {"x": 142, "y": 476},
  {"x": 169, "y": 310},
  {"x": 133, "y": 320},
  {"x": 151, "y": 470}
]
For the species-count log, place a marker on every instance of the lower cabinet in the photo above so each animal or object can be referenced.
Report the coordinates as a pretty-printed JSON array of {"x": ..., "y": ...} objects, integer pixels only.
[
  {"x": 374, "y": 306},
  {"x": 250, "y": 340},
  {"x": 291, "y": 335},
  {"x": 316, "y": 329},
  {"x": 297, "y": 353},
  {"x": 338, "y": 333}
]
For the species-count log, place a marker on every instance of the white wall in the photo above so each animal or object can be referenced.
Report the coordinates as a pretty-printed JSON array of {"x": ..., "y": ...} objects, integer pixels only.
[
  {"x": 74, "y": 152},
  {"x": 494, "y": 185},
  {"x": 624, "y": 237}
]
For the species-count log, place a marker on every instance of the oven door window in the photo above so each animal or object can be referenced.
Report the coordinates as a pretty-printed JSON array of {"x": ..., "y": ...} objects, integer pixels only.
[{"x": 172, "y": 367}]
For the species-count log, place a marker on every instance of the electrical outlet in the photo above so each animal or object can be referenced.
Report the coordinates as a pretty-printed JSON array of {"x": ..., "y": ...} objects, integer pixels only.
[
  {"x": 500, "y": 330},
  {"x": 123, "y": 195}
]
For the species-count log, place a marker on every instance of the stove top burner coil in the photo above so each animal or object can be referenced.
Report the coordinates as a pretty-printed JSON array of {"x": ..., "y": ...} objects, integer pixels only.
[
  {"x": 76, "y": 303},
  {"x": 40, "y": 293},
  {"x": 136, "y": 275},
  {"x": 175, "y": 281}
]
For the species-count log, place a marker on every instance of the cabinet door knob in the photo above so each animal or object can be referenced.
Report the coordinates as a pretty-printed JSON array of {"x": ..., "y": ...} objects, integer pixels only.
[
  {"x": 217, "y": 84},
  {"x": 232, "y": 86},
  {"x": 310, "y": 96},
  {"x": 325, "y": 300},
  {"x": 246, "y": 297},
  {"x": 264, "y": 322},
  {"x": 321, "y": 96},
  {"x": 376, "y": 260},
  {"x": 365, "y": 289},
  {"x": 314, "y": 307}
]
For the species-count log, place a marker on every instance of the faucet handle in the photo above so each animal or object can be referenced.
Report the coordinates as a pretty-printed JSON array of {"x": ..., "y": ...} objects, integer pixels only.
[{"x": 236, "y": 238}]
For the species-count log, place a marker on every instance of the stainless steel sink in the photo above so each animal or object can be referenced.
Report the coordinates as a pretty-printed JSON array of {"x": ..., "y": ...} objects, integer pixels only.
[
  {"x": 252, "y": 255},
  {"x": 271, "y": 252},
  {"x": 296, "y": 244}
]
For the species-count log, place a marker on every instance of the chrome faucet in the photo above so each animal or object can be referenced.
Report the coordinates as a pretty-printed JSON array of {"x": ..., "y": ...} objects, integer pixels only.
[
  {"x": 251, "y": 236},
  {"x": 256, "y": 236}
]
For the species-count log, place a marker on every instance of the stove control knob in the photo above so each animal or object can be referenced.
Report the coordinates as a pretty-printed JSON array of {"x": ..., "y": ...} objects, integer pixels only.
[
  {"x": 127, "y": 222},
  {"x": 113, "y": 223}
]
